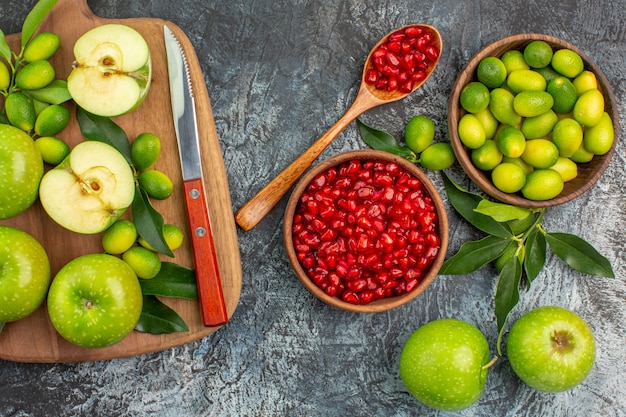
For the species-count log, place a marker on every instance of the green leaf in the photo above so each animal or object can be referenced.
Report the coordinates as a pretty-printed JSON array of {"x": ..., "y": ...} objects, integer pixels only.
[
  {"x": 105, "y": 130},
  {"x": 383, "y": 141},
  {"x": 502, "y": 212},
  {"x": 579, "y": 254},
  {"x": 5, "y": 50},
  {"x": 149, "y": 222},
  {"x": 535, "y": 254},
  {"x": 34, "y": 19},
  {"x": 158, "y": 318},
  {"x": 172, "y": 281},
  {"x": 474, "y": 254},
  {"x": 465, "y": 204},
  {"x": 507, "y": 294},
  {"x": 55, "y": 93}
]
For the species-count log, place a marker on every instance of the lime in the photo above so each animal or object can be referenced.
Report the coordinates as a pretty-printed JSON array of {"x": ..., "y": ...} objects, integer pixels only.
[
  {"x": 42, "y": 46},
  {"x": 171, "y": 233},
  {"x": 539, "y": 126},
  {"x": 491, "y": 71},
  {"x": 520, "y": 162},
  {"x": 514, "y": 60},
  {"x": 540, "y": 153},
  {"x": 5, "y": 76},
  {"x": 566, "y": 168},
  {"x": 585, "y": 81},
  {"x": 419, "y": 133},
  {"x": 525, "y": 80},
  {"x": 511, "y": 142},
  {"x": 548, "y": 73},
  {"x": 582, "y": 155},
  {"x": 144, "y": 262},
  {"x": 490, "y": 124},
  {"x": 501, "y": 106},
  {"x": 20, "y": 111},
  {"x": 589, "y": 108},
  {"x": 564, "y": 94},
  {"x": 567, "y": 135},
  {"x": 474, "y": 97},
  {"x": 599, "y": 138},
  {"x": 487, "y": 157},
  {"x": 471, "y": 131},
  {"x": 437, "y": 156},
  {"x": 532, "y": 103},
  {"x": 567, "y": 63},
  {"x": 145, "y": 151},
  {"x": 119, "y": 237},
  {"x": 52, "y": 120},
  {"x": 542, "y": 184},
  {"x": 508, "y": 177},
  {"x": 538, "y": 54},
  {"x": 53, "y": 150},
  {"x": 35, "y": 75},
  {"x": 156, "y": 183}
]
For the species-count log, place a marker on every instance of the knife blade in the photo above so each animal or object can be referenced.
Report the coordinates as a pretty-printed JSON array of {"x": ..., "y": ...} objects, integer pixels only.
[{"x": 208, "y": 279}]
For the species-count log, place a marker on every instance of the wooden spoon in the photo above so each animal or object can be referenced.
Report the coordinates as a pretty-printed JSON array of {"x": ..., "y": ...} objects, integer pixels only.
[{"x": 368, "y": 96}]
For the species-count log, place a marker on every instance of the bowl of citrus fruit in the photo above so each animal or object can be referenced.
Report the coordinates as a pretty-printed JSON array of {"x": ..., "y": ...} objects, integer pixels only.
[
  {"x": 365, "y": 231},
  {"x": 533, "y": 120}
]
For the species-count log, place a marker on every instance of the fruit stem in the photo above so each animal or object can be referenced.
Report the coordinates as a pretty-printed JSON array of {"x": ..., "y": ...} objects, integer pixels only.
[{"x": 490, "y": 363}]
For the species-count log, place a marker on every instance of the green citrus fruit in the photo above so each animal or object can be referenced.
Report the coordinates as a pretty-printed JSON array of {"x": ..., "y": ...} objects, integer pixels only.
[
  {"x": 437, "y": 156},
  {"x": 419, "y": 133},
  {"x": 567, "y": 135},
  {"x": 540, "y": 153},
  {"x": 144, "y": 262},
  {"x": 589, "y": 108},
  {"x": 43, "y": 46},
  {"x": 52, "y": 120},
  {"x": 514, "y": 60},
  {"x": 53, "y": 150},
  {"x": 520, "y": 162},
  {"x": 511, "y": 142},
  {"x": 491, "y": 71},
  {"x": 487, "y": 157},
  {"x": 20, "y": 111},
  {"x": 120, "y": 237},
  {"x": 585, "y": 81},
  {"x": 501, "y": 106},
  {"x": 5, "y": 76},
  {"x": 567, "y": 63},
  {"x": 145, "y": 151},
  {"x": 474, "y": 97},
  {"x": 538, "y": 54},
  {"x": 471, "y": 131},
  {"x": 532, "y": 103},
  {"x": 508, "y": 177},
  {"x": 35, "y": 75},
  {"x": 548, "y": 73},
  {"x": 599, "y": 138},
  {"x": 566, "y": 168},
  {"x": 525, "y": 80},
  {"x": 172, "y": 234},
  {"x": 542, "y": 184},
  {"x": 156, "y": 183},
  {"x": 582, "y": 155},
  {"x": 490, "y": 124},
  {"x": 539, "y": 126},
  {"x": 564, "y": 94}
]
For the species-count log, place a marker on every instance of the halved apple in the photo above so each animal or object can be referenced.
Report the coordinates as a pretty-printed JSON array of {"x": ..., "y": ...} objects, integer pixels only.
[
  {"x": 112, "y": 71},
  {"x": 89, "y": 190}
]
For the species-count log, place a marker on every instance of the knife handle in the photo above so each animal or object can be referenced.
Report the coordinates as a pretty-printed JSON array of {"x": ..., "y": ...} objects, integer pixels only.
[{"x": 207, "y": 272}]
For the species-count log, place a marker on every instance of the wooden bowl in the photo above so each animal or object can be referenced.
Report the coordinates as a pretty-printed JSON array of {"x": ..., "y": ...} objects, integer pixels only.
[
  {"x": 381, "y": 304},
  {"x": 588, "y": 173}
]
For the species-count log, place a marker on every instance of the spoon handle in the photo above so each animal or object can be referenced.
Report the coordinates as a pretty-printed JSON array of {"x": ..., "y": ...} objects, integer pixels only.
[{"x": 252, "y": 212}]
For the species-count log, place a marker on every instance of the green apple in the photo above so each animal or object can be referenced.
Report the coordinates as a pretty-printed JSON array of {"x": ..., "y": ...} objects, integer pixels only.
[
  {"x": 444, "y": 364},
  {"x": 21, "y": 169},
  {"x": 551, "y": 349},
  {"x": 95, "y": 300},
  {"x": 112, "y": 71},
  {"x": 90, "y": 189},
  {"x": 24, "y": 274}
]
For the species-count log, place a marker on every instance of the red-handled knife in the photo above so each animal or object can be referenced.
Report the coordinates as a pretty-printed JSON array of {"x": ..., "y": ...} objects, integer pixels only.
[{"x": 183, "y": 108}]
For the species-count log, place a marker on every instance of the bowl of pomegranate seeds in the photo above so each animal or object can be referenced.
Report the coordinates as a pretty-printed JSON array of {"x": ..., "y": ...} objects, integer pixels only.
[{"x": 365, "y": 231}]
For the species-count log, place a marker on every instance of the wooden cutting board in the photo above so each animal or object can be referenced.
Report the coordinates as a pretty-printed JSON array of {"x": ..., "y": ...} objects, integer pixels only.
[{"x": 33, "y": 339}]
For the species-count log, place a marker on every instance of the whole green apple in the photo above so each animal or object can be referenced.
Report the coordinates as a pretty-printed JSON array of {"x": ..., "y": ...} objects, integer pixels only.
[
  {"x": 551, "y": 349},
  {"x": 444, "y": 364},
  {"x": 24, "y": 274},
  {"x": 21, "y": 169},
  {"x": 95, "y": 300}
]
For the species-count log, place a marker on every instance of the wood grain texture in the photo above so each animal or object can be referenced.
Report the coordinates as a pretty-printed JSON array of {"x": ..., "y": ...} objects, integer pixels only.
[{"x": 33, "y": 339}]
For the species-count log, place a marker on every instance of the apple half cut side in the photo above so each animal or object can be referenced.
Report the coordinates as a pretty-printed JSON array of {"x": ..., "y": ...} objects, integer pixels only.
[
  {"x": 112, "y": 70},
  {"x": 89, "y": 190}
]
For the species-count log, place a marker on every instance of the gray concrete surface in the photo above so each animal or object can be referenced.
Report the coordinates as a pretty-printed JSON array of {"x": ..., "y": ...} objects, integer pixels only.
[{"x": 279, "y": 73}]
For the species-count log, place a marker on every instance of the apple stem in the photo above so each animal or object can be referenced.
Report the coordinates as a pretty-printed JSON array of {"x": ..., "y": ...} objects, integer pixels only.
[{"x": 490, "y": 363}]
